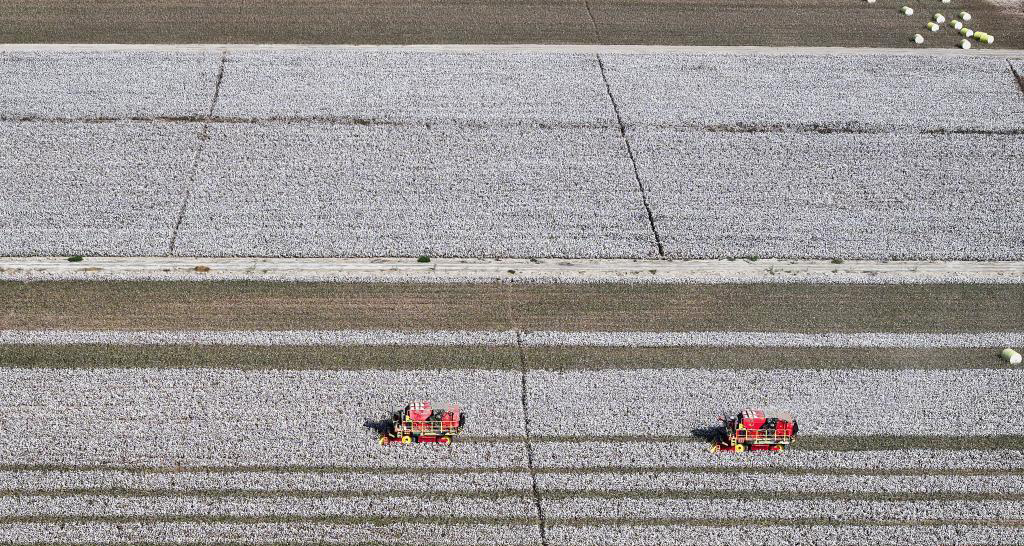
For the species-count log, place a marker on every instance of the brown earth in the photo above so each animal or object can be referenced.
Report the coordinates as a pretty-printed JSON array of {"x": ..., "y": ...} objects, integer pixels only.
[
  {"x": 666, "y": 22},
  {"x": 802, "y": 308}
]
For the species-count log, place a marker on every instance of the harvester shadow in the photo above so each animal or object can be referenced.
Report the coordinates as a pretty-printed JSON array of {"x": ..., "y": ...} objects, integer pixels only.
[
  {"x": 710, "y": 435},
  {"x": 381, "y": 427}
]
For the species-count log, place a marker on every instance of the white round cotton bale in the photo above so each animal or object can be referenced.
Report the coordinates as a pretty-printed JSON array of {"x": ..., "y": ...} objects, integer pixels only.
[
  {"x": 1011, "y": 356},
  {"x": 918, "y": 39},
  {"x": 989, "y": 39},
  {"x": 934, "y": 27},
  {"x": 964, "y": 44},
  {"x": 967, "y": 33},
  {"x": 965, "y": 16},
  {"x": 907, "y": 10},
  {"x": 946, "y": 1},
  {"x": 871, "y": 1},
  {"x": 940, "y": 18},
  {"x": 956, "y": 24}
]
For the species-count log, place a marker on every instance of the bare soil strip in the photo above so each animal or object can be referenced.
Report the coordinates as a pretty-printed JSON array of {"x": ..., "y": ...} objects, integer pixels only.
[
  {"x": 825, "y": 442},
  {"x": 240, "y": 305},
  {"x": 488, "y": 358},
  {"x": 718, "y": 22}
]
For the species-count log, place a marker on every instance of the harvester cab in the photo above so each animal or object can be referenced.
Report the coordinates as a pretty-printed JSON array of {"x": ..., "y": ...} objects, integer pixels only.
[
  {"x": 757, "y": 430},
  {"x": 420, "y": 423}
]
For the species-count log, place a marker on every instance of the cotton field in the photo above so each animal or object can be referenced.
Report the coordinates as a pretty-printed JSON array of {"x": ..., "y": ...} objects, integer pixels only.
[{"x": 348, "y": 152}]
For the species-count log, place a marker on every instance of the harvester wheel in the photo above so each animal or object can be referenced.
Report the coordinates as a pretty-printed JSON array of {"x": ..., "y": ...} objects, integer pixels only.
[
  {"x": 406, "y": 439},
  {"x": 444, "y": 440},
  {"x": 777, "y": 448},
  {"x": 715, "y": 448},
  {"x": 384, "y": 440},
  {"x": 739, "y": 448}
]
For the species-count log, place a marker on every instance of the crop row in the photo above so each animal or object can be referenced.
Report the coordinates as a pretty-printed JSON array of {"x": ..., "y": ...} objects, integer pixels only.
[
  {"x": 269, "y": 533},
  {"x": 695, "y": 534},
  {"x": 737, "y": 92},
  {"x": 432, "y": 338},
  {"x": 110, "y": 84},
  {"x": 826, "y": 402},
  {"x": 644, "y": 456},
  {"x": 184, "y": 506},
  {"x": 819, "y": 92},
  {"x": 335, "y": 190},
  {"x": 810, "y": 195},
  {"x": 761, "y": 482},
  {"x": 641, "y": 482},
  {"x": 265, "y": 481},
  {"x": 776, "y": 509},
  {"x": 231, "y": 417},
  {"x": 461, "y": 338},
  {"x": 283, "y": 189},
  {"x": 92, "y": 188}
]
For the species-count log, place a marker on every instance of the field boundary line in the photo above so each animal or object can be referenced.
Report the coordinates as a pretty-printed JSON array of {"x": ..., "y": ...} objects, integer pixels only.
[{"x": 473, "y": 270}]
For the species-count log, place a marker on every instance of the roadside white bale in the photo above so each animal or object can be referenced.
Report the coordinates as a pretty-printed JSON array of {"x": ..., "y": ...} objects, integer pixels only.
[
  {"x": 965, "y": 16},
  {"x": 1011, "y": 356},
  {"x": 907, "y": 10},
  {"x": 940, "y": 18},
  {"x": 964, "y": 44},
  {"x": 918, "y": 39}
]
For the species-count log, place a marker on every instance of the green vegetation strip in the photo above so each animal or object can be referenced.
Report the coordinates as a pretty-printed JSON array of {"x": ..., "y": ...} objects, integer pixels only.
[
  {"x": 251, "y": 305},
  {"x": 600, "y": 469},
  {"x": 825, "y": 443},
  {"x": 552, "y": 494},
  {"x": 488, "y": 358},
  {"x": 260, "y": 358}
]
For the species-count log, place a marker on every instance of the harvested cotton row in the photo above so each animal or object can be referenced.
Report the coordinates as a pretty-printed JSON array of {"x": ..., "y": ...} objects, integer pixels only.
[
  {"x": 756, "y": 535},
  {"x": 92, "y": 188},
  {"x": 854, "y": 401},
  {"x": 480, "y": 89},
  {"x": 183, "y": 506},
  {"x": 107, "y": 84},
  {"x": 256, "y": 532},
  {"x": 269, "y": 481},
  {"x": 261, "y": 337},
  {"x": 768, "y": 483},
  {"x": 773, "y": 510},
  {"x": 148, "y": 417},
  {"x": 641, "y": 456},
  {"x": 768, "y": 339}
]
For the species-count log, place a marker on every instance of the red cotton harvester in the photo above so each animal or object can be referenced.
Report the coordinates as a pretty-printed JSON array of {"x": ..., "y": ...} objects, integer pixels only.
[
  {"x": 421, "y": 424},
  {"x": 757, "y": 430}
]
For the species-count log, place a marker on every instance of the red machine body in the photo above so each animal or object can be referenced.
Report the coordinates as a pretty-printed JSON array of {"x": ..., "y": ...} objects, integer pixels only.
[
  {"x": 757, "y": 430},
  {"x": 420, "y": 423}
]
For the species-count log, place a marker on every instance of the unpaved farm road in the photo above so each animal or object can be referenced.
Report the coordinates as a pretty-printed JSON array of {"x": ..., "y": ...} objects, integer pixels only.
[{"x": 670, "y": 22}]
